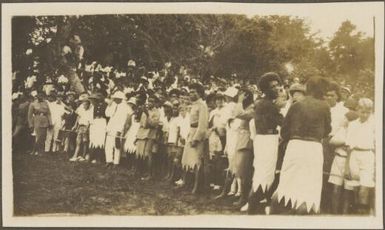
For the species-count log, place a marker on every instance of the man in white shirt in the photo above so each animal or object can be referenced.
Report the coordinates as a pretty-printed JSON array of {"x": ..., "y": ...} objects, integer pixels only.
[{"x": 117, "y": 113}]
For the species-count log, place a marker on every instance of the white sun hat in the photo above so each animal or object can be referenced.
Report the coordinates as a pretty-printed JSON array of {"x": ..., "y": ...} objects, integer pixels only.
[{"x": 118, "y": 95}]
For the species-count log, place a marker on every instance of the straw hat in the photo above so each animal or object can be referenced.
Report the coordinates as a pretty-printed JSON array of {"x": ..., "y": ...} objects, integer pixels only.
[
  {"x": 132, "y": 100},
  {"x": 97, "y": 96},
  {"x": 118, "y": 95},
  {"x": 231, "y": 92},
  {"x": 83, "y": 97}
]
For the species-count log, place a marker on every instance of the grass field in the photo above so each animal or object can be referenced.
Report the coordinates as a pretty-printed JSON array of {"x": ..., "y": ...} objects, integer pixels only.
[{"x": 51, "y": 184}]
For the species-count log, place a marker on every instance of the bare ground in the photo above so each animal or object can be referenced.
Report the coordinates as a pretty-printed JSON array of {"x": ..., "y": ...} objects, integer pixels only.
[{"x": 50, "y": 184}]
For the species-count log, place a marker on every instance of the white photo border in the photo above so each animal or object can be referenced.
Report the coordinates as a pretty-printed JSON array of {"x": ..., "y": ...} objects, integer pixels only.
[{"x": 376, "y": 9}]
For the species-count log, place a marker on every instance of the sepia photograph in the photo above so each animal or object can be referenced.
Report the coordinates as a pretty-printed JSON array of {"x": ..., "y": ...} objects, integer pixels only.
[{"x": 241, "y": 115}]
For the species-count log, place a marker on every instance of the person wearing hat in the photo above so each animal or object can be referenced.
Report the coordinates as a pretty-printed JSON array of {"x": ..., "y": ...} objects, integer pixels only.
[
  {"x": 345, "y": 93},
  {"x": 70, "y": 97},
  {"x": 174, "y": 94},
  {"x": 240, "y": 167},
  {"x": 48, "y": 87},
  {"x": 306, "y": 124},
  {"x": 97, "y": 127},
  {"x": 117, "y": 113},
  {"x": 84, "y": 118},
  {"x": 232, "y": 125},
  {"x": 165, "y": 160},
  {"x": 69, "y": 118},
  {"x": 144, "y": 84},
  {"x": 57, "y": 109},
  {"x": 39, "y": 120},
  {"x": 130, "y": 130},
  {"x": 267, "y": 118},
  {"x": 296, "y": 93}
]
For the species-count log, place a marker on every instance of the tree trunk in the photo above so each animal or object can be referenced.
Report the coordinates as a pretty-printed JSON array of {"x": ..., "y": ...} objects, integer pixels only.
[{"x": 63, "y": 33}]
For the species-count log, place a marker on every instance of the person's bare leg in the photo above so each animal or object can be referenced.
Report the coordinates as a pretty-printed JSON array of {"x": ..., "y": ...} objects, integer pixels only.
[
  {"x": 226, "y": 186},
  {"x": 252, "y": 200},
  {"x": 363, "y": 200},
  {"x": 85, "y": 151},
  {"x": 372, "y": 201},
  {"x": 77, "y": 150},
  {"x": 302, "y": 210},
  {"x": 66, "y": 144},
  {"x": 336, "y": 199},
  {"x": 347, "y": 201},
  {"x": 245, "y": 186},
  {"x": 171, "y": 178},
  {"x": 168, "y": 167},
  {"x": 185, "y": 175},
  {"x": 196, "y": 179}
]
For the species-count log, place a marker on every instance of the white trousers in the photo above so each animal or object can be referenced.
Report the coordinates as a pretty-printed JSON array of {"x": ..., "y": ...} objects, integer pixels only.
[
  {"x": 52, "y": 134},
  {"x": 112, "y": 153}
]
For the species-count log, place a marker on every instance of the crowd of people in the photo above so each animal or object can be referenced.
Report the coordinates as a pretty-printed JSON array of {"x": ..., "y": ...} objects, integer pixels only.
[{"x": 277, "y": 146}]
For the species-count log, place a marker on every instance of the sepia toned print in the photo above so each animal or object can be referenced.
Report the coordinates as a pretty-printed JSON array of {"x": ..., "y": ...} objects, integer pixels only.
[{"x": 207, "y": 114}]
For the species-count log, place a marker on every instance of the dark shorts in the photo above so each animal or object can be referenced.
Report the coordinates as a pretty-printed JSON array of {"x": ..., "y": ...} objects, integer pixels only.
[
  {"x": 175, "y": 152},
  {"x": 82, "y": 135}
]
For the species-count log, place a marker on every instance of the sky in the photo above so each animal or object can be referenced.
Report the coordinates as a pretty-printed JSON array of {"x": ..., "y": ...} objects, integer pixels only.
[
  {"x": 327, "y": 26},
  {"x": 326, "y": 18}
]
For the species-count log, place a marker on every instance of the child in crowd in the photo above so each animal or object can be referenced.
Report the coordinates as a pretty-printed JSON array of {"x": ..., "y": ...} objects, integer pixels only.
[
  {"x": 360, "y": 137},
  {"x": 84, "y": 119}
]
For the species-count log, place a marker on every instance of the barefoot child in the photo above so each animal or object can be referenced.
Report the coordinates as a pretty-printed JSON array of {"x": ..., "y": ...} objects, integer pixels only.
[{"x": 85, "y": 116}]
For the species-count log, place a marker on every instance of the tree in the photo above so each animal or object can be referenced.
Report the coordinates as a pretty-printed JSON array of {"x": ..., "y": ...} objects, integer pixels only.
[{"x": 218, "y": 45}]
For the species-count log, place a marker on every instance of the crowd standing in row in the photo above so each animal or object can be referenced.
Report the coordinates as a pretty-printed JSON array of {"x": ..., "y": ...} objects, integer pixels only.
[{"x": 278, "y": 147}]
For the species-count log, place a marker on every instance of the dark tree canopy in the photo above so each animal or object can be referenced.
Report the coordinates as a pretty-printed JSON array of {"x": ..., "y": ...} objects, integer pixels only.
[{"x": 219, "y": 45}]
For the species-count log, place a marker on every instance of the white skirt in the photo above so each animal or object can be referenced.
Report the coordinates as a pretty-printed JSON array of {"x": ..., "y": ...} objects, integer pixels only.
[
  {"x": 265, "y": 160},
  {"x": 301, "y": 175},
  {"x": 231, "y": 144},
  {"x": 129, "y": 144},
  {"x": 98, "y": 133}
]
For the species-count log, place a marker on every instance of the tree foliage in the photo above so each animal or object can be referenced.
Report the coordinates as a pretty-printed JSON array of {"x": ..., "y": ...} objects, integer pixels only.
[{"x": 219, "y": 45}]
